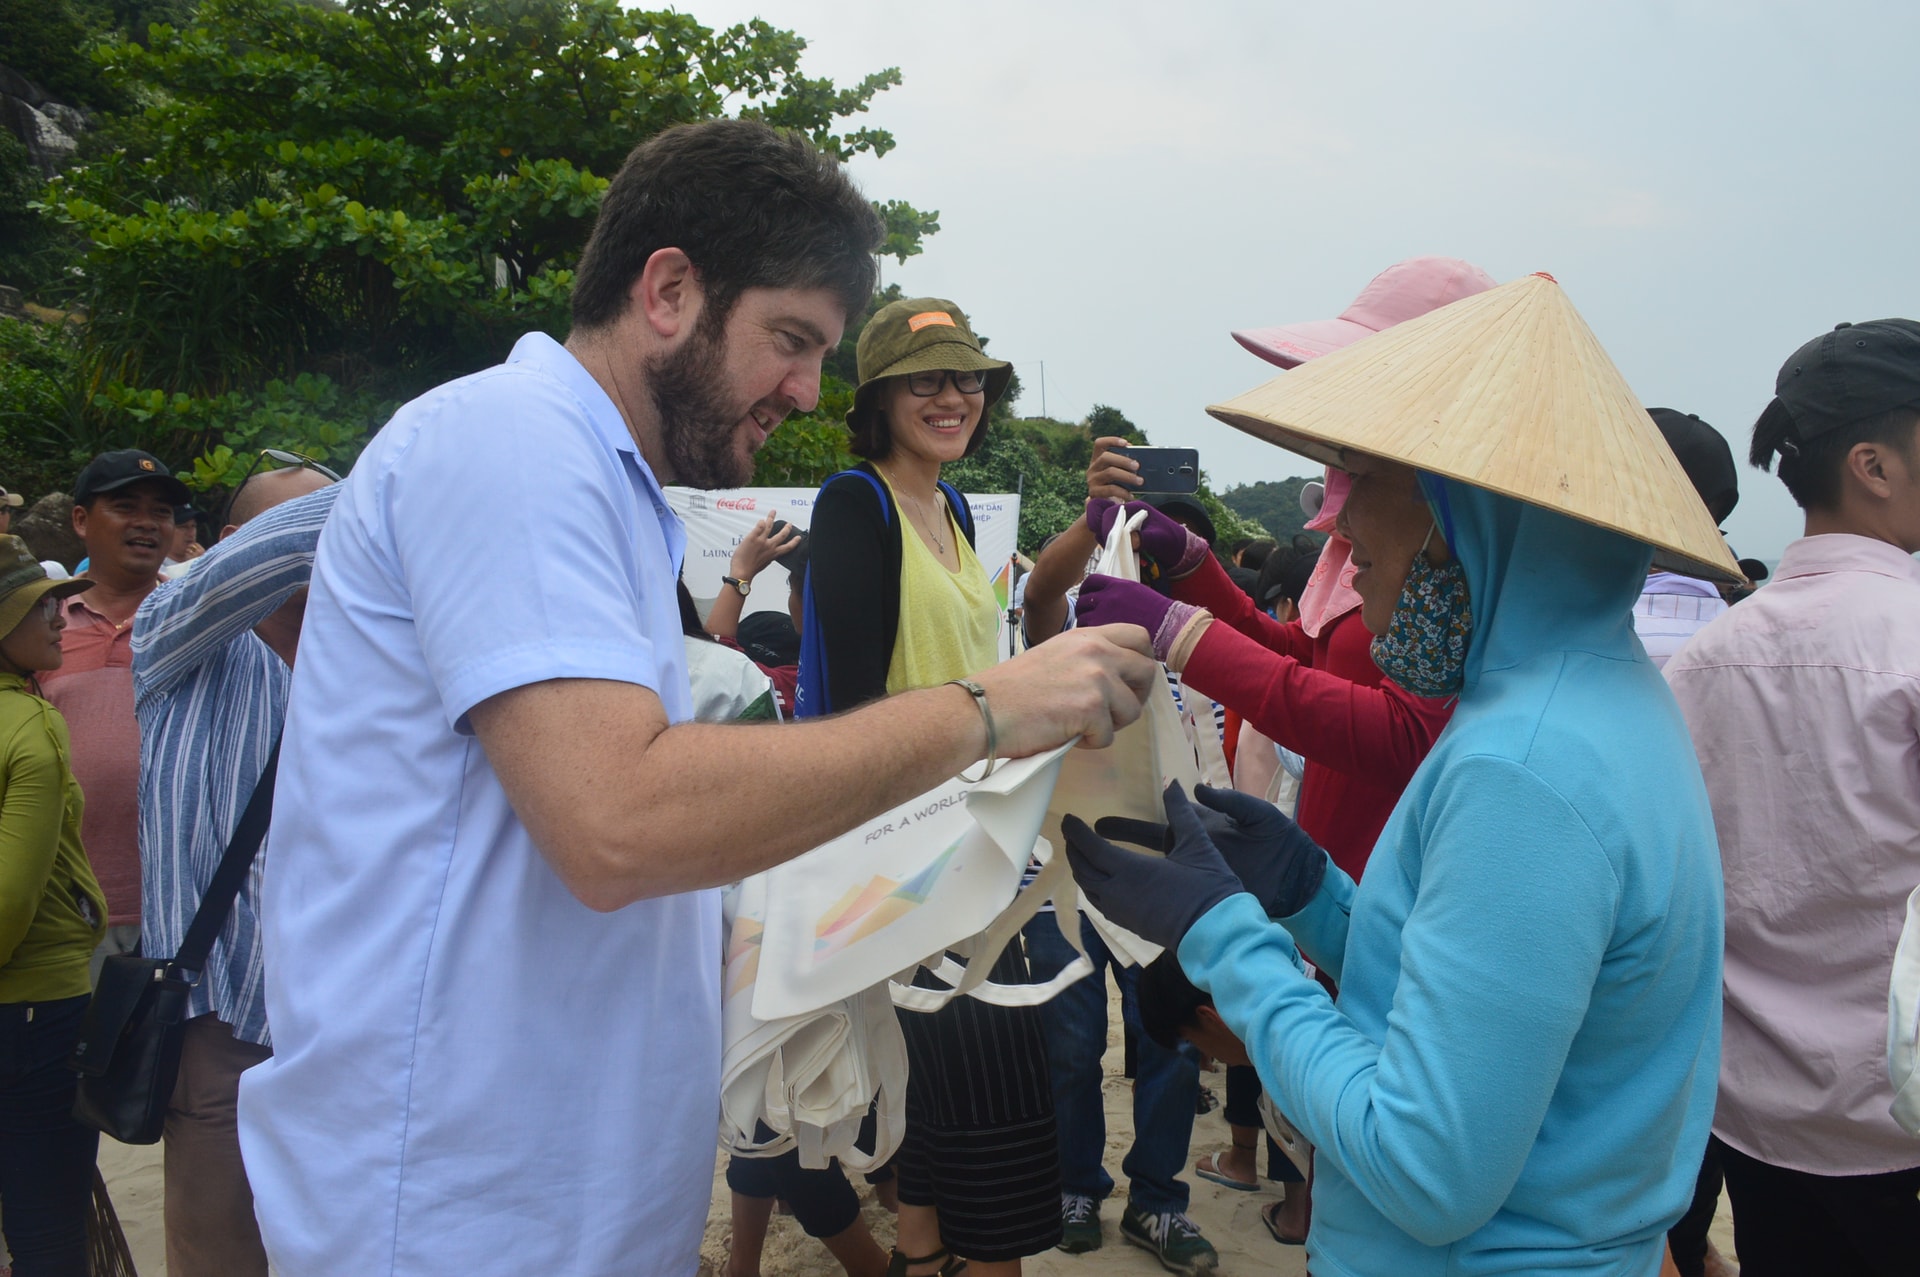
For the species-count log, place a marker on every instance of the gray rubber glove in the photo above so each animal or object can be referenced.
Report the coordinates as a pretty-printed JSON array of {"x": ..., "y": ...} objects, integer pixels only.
[
  {"x": 1272, "y": 856},
  {"x": 1157, "y": 898}
]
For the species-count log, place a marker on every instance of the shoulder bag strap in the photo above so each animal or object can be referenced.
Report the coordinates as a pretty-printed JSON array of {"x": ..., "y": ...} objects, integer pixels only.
[
  {"x": 962, "y": 512},
  {"x": 241, "y": 848}
]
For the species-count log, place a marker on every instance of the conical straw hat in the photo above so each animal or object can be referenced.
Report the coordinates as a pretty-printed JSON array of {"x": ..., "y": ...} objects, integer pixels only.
[{"x": 1509, "y": 391}]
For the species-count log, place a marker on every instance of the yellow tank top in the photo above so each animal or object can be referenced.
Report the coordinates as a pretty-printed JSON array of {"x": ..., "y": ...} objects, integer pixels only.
[{"x": 949, "y": 621}]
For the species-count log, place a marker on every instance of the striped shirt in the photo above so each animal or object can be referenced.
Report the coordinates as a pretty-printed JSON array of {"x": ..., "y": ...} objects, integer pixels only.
[{"x": 211, "y": 697}]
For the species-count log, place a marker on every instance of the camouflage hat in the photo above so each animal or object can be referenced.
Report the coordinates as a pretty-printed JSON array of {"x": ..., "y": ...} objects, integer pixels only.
[
  {"x": 920, "y": 334},
  {"x": 23, "y": 582}
]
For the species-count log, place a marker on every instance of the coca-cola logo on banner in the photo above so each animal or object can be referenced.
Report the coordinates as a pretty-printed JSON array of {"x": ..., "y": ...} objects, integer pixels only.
[{"x": 734, "y": 503}]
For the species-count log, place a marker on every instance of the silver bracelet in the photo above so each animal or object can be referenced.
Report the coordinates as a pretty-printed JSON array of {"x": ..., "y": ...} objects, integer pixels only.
[{"x": 979, "y": 695}]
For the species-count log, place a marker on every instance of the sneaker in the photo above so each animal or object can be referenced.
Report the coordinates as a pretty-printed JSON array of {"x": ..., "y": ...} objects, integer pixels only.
[
  {"x": 1079, "y": 1224},
  {"x": 1172, "y": 1238}
]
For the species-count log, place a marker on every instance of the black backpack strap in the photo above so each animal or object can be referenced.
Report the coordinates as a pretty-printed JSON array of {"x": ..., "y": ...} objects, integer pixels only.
[
  {"x": 962, "y": 512},
  {"x": 227, "y": 879}
]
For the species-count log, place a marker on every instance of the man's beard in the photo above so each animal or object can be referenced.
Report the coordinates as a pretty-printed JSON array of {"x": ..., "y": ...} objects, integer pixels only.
[{"x": 697, "y": 423}]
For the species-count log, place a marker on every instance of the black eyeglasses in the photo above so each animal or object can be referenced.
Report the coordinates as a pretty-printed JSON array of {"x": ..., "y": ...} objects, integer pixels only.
[
  {"x": 280, "y": 457},
  {"x": 927, "y": 384}
]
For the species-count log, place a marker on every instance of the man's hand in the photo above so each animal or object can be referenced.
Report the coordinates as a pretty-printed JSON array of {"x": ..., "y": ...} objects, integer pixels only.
[
  {"x": 1271, "y": 855},
  {"x": 1158, "y": 898},
  {"x": 1110, "y": 475},
  {"x": 1084, "y": 685},
  {"x": 761, "y": 546}
]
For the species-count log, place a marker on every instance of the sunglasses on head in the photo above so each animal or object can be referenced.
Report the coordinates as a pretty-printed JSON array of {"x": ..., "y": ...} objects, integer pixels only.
[
  {"x": 927, "y": 384},
  {"x": 273, "y": 459}
]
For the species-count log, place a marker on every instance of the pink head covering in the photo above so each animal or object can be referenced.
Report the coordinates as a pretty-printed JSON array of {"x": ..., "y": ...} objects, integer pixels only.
[
  {"x": 1401, "y": 292},
  {"x": 1329, "y": 593},
  {"x": 1397, "y": 294}
]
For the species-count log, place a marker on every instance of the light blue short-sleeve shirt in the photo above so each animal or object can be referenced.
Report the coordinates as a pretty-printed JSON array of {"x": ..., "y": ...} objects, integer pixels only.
[{"x": 472, "y": 1070}]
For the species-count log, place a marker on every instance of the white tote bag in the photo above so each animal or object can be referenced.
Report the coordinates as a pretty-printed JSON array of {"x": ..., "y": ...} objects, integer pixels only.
[
  {"x": 937, "y": 874},
  {"x": 810, "y": 1078},
  {"x": 1126, "y": 779},
  {"x": 1903, "y": 1022}
]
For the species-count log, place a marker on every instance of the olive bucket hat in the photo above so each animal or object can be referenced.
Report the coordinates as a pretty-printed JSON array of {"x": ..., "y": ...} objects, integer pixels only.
[
  {"x": 919, "y": 334},
  {"x": 23, "y": 583}
]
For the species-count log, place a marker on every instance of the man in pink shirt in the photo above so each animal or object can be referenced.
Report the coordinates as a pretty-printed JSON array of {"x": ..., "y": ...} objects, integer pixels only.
[
  {"x": 1804, "y": 705},
  {"x": 123, "y": 511}
]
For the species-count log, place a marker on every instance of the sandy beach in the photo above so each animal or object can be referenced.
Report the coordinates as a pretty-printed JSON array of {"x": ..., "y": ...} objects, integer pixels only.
[{"x": 1230, "y": 1219}]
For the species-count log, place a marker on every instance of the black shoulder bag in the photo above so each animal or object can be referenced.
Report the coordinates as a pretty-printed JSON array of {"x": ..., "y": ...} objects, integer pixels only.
[{"x": 128, "y": 1054}]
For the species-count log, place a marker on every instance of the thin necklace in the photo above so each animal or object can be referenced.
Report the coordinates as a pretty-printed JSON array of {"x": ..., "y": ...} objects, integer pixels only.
[{"x": 922, "y": 520}]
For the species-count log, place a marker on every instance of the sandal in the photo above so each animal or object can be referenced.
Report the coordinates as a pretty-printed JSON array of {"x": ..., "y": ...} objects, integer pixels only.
[
  {"x": 1208, "y": 1168},
  {"x": 898, "y": 1264},
  {"x": 1268, "y": 1214}
]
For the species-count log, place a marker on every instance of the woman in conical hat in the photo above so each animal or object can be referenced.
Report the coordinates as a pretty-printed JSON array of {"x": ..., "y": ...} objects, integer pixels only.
[
  {"x": 1519, "y": 1073},
  {"x": 1311, "y": 684}
]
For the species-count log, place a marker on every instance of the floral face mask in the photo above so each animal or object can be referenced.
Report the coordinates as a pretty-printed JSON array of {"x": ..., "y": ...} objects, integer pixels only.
[{"x": 1425, "y": 646}]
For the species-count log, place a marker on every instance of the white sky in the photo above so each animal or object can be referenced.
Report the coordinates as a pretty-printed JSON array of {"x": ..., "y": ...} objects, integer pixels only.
[{"x": 1119, "y": 184}]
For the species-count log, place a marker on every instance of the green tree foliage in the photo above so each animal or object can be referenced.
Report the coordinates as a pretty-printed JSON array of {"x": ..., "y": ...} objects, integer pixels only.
[
  {"x": 1273, "y": 505},
  {"x": 48, "y": 41},
  {"x": 39, "y": 365},
  {"x": 322, "y": 211}
]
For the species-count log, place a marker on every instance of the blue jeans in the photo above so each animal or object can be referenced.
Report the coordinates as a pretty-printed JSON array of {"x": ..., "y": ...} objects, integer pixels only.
[
  {"x": 46, "y": 1158},
  {"x": 1166, "y": 1084}
]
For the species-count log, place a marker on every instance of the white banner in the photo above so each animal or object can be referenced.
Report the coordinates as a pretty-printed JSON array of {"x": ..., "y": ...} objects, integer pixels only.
[{"x": 717, "y": 520}]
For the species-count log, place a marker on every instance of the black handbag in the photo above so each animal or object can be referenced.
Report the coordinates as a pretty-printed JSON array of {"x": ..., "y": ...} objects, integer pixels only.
[{"x": 128, "y": 1054}]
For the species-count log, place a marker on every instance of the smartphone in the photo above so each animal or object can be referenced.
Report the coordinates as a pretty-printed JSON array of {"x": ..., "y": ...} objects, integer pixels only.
[{"x": 1166, "y": 469}]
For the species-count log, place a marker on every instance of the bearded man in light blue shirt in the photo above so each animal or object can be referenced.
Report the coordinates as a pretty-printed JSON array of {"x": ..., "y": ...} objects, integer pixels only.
[{"x": 493, "y": 943}]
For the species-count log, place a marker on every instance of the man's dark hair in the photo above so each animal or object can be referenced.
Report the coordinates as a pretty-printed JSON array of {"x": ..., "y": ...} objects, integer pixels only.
[
  {"x": 751, "y": 206},
  {"x": 1812, "y": 469},
  {"x": 1253, "y": 553},
  {"x": 1169, "y": 1002}
]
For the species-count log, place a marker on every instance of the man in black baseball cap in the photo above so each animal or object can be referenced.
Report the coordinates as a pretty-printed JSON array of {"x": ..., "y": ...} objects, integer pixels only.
[
  {"x": 1802, "y": 703},
  {"x": 1855, "y": 385},
  {"x": 123, "y": 505},
  {"x": 1673, "y": 608},
  {"x": 1703, "y": 453},
  {"x": 112, "y": 471}
]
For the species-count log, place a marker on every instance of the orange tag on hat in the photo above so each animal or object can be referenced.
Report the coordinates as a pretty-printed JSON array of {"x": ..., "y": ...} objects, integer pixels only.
[
  {"x": 146, "y": 465},
  {"x": 928, "y": 318}
]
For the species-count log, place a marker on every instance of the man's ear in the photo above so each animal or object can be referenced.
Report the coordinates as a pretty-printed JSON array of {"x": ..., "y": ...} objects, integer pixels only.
[
  {"x": 1209, "y": 1020},
  {"x": 666, "y": 294},
  {"x": 1867, "y": 465},
  {"x": 80, "y": 521}
]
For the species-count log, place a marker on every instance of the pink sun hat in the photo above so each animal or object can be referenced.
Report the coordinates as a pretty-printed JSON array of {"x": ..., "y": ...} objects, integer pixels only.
[{"x": 1401, "y": 292}]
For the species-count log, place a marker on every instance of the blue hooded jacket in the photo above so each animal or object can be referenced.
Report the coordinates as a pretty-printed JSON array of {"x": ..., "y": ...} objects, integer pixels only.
[{"x": 1519, "y": 1074}]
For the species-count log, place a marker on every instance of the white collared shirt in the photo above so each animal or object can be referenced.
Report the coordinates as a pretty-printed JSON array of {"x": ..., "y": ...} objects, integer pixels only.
[
  {"x": 473, "y": 1070},
  {"x": 1804, "y": 706}
]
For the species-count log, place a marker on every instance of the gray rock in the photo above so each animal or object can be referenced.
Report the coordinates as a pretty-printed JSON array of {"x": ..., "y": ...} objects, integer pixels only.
[
  {"x": 50, "y": 130},
  {"x": 47, "y": 528}
]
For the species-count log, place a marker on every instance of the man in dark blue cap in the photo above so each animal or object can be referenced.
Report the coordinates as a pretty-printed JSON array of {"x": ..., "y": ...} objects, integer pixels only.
[{"x": 123, "y": 512}]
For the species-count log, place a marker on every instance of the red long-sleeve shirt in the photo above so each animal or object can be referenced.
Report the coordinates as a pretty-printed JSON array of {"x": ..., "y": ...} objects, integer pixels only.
[{"x": 1323, "y": 698}]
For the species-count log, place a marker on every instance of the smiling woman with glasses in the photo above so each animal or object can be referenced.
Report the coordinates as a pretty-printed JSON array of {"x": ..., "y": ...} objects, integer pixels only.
[{"x": 896, "y": 600}]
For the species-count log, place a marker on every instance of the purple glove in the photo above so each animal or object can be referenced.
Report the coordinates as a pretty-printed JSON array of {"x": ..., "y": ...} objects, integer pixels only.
[
  {"x": 1107, "y": 600},
  {"x": 1176, "y": 550},
  {"x": 1100, "y": 516}
]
